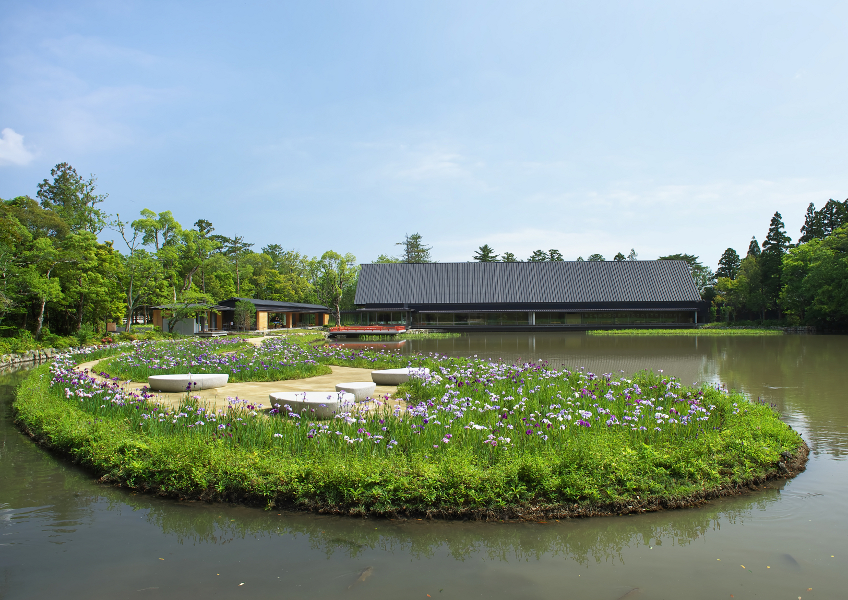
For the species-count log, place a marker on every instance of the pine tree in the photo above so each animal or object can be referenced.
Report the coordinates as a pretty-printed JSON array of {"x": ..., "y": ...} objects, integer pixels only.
[
  {"x": 596, "y": 258},
  {"x": 771, "y": 260},
  {"x": 414, "y": 250},
  {"x": 753, "y": 248},
  {"x": 508, "y": 257},
  {"x": 555, "y": 255},
  {"x": 485, "y": 253},
  {"x": 619, "y": 257},
  {"x": 538, "y": 256},
  {"x": 812, "y": 228},
  {"x": 728, "y": 264}
]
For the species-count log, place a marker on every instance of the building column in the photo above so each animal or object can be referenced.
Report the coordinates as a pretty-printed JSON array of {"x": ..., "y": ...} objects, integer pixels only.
[
  {"x": 261, "y": 320},
  {"x": 531, "y": 318},
  {"x": 288, "y": 320}
]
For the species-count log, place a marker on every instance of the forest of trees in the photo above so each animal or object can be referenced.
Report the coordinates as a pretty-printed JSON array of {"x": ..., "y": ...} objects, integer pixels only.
[
  {"x": 58, "y": 278},
  {"x": 795, "y": 284}
]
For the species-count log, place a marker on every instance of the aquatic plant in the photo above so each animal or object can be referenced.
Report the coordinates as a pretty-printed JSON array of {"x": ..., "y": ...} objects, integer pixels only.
[{"x": 471, "y": 436}]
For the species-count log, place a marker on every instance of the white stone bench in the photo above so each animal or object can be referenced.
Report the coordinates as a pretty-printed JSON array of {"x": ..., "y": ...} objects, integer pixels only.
[
  {"x": 397, "y": 376},
  {"x": 180, "y": 383},
  {"x": 360, "y": 389},
  {"x": 317, "y": 405}
]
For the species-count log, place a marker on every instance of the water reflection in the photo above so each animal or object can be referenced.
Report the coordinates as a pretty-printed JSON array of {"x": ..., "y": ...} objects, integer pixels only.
[{"x": 105, "y": 542}]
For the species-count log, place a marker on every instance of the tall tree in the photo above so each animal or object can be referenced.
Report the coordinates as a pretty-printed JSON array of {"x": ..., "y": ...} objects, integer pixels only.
[
  {"x": 619, "y": 257},
  {"x": 555, "y": 255},
  {"x": 818, "y": 224},
  {"x": 235, "y": 248},
  {"x": 508, "y": 257},
  {"x": 538, "y": 256},
  {"x": 596, "y": 258},
  {"x": 728, "y": 264},
  {"x": 771, "y": 259},
  {"x": 414, "y": 250},
  {"x": 74, "y": 199},
  {"x": 753, "y": 248},
  {"x": 485, "y": 253},
  {"x": 337, "y": 274}
]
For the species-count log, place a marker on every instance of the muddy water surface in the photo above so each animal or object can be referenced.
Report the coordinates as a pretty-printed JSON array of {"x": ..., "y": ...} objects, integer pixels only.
[{"x": 63, "y": 535}]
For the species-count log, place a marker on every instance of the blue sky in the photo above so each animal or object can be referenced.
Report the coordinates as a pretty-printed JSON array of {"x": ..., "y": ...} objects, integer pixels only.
[{"x": 582, "y": 126}]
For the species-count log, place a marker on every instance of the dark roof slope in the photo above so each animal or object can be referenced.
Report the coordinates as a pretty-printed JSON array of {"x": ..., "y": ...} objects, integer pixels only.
[
  {"x": 526, "y": 282},
  {"x": 274, "y": 306}
]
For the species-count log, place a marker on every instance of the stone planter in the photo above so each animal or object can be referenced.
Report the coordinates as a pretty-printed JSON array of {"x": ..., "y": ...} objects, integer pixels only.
[
  {"x": 317, "y": 405},
  {"x": 180, "y": 383},
  {"x": 397, "y": 376}
]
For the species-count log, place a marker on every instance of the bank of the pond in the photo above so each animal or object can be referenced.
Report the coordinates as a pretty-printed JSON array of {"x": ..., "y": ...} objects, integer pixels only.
[
  {"x": 514, "y": 452},
  {"x": 704, "y": 331}
]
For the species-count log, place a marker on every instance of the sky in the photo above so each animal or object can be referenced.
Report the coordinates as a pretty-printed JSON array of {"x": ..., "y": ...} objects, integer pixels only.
[{"x": 587, "y": 127}]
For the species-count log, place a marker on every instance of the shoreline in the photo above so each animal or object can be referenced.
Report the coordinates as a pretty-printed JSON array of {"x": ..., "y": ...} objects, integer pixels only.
[
  {"x": 795, "y": 464},
  {"x": 240, "y": 477}
]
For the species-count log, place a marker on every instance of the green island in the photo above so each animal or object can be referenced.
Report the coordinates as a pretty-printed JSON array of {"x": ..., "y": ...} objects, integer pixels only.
[
  {"x": 471, "y": 439},
  {"x": 704, "y": 331}
]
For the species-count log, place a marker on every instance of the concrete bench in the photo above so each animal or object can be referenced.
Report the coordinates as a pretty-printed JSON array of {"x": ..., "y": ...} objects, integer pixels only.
[
  {"x": 314, "y": 405},
  {"x": 360, "y": 389},
  {"x": 397, "y": 376},
  {"x": 180, "y": 382}
]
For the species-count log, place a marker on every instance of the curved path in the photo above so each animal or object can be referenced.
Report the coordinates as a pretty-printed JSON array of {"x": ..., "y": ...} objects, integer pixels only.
[{"x": 257, "y": 391}]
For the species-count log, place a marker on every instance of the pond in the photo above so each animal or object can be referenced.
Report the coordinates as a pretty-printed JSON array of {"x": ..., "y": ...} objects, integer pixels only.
[{"x": 61, "y": 533}]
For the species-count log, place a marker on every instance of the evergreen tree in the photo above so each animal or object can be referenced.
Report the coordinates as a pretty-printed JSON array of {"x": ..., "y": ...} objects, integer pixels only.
[
  {"x": 580, "y": 259},
  {"x": 596, "y": 258},
  {"x": 485, "y": 253},
  {"x": 818, "y": 224},
  {"x": 414, "y": 250},
  {"x": 538, "y": 256},
  {"x": 555, "y": 255},
  {"x": 771, "y": 259},
  {"x": 619, "y": 257},
  {"x": 753, "y": 248},
  {"x": 728, "y": 264},
  {"x": 73, "y": 198},
  {"x": 508, "y": 257}
]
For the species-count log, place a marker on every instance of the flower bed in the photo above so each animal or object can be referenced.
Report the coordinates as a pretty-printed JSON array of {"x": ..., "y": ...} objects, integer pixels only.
[
  {"x": 277, "y": 360},
  {"x": 475, "y": 439}
]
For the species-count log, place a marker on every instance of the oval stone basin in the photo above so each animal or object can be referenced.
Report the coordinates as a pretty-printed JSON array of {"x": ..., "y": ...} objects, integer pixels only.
[
  {"x": 320, "y": 405},
  {"x": 396, "y": 376},
  {"x": 180, "y": 382}
]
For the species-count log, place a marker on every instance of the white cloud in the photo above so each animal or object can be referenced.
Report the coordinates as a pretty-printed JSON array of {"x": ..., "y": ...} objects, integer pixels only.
[{"x": 12, "y": 150}]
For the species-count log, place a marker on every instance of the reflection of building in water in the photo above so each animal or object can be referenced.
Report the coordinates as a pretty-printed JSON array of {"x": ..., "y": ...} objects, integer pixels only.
[{"x": 528, "y": 295}]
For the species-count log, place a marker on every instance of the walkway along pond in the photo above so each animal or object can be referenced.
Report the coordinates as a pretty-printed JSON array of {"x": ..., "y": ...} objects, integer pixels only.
[{"x": 784, "y": 535}]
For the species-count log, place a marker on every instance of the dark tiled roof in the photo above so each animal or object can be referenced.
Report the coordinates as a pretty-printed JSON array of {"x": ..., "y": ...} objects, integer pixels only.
[
  {"x": 526, "y": 282},
  {"x": 274, "y": 306}
]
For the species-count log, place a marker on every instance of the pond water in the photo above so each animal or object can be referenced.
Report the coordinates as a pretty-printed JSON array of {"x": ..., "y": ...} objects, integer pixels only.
[{"x": 63, "y": 534}]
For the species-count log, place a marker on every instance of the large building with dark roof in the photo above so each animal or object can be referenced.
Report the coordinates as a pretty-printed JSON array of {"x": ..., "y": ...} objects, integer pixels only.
[{"x": 528, "y": 295}]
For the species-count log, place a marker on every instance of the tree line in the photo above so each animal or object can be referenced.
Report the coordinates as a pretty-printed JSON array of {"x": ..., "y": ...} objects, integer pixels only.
[
  {"x": 56, "y": 276},
  {"x": 805, "y": 283}
]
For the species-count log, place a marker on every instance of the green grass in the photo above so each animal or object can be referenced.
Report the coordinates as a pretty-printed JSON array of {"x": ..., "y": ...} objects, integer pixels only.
[
  {"x": 462, "y": 448},
  {"x": 409, "y": 336},
  {"x": 698, "y": 332}
]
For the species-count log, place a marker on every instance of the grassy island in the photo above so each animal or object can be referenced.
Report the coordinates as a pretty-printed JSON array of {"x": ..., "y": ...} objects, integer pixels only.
[
  {"x": 473, "y": 439},
  {"x": 703, "y": 331}
]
